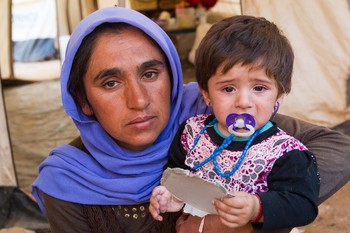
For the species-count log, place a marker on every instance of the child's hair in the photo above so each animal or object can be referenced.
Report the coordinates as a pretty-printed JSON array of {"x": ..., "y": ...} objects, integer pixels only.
[{"x": 245, "y": 40}]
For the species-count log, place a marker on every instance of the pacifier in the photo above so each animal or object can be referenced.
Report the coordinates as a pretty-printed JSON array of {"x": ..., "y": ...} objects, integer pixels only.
[{"x": 244, "y": 121}]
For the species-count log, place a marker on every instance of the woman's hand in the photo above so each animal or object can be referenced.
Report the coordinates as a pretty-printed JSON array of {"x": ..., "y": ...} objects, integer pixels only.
[
  {"x": 163, "y": 201},
  {"x": 238, "y": 210}
]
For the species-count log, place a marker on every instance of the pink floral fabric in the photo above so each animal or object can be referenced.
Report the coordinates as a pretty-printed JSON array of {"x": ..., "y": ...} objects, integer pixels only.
[{"x": 252, "y": 175}]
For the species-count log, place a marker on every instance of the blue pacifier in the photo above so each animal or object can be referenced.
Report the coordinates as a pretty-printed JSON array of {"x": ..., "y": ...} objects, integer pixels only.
[{"x": 244, "y": 121}]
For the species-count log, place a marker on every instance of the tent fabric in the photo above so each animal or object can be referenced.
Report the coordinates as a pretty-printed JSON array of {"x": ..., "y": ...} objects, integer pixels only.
[
  {"x": 7, "y": 171},
  {"x": 37, "y": 123},
  {"x": 6, "y": 68},
  {"x": 221, "y": 10},
  {"x": 319, "y": 31}
]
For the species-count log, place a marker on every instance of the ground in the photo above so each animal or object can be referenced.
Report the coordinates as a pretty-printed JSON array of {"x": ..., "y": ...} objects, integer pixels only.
[{"x": 334, "y": 214}]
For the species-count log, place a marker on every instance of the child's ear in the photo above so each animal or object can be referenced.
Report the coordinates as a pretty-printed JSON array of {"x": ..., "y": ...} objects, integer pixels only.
[
  {"x": 278, "y": 104},
  {"x": 205, "y": 95},
  {"x": 280, "y": 98}
]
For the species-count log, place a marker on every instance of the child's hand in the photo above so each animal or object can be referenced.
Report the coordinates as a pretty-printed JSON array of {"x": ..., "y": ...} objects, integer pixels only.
[
  {"x": 163, "y": 201},
  {"x": 237, "y": 211}
]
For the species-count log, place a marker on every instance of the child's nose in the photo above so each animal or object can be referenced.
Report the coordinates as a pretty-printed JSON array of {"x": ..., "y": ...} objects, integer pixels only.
[{"x": 243, "y": 99}]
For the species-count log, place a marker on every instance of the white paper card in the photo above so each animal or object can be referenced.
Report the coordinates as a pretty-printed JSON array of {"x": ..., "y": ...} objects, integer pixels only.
[{"x": 192, "y": 190}]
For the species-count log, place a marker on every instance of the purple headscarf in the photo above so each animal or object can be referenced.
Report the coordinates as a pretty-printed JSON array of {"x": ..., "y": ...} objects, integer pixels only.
[{"x": 113, "y": 175}]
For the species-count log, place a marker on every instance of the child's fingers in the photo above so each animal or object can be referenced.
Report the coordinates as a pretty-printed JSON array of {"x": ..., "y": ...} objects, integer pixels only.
[
  {"x": 229, "y": 216},
  {"x": 221, "y": 207},
  {"x": 230, "y": 224},
  {"x": 225, "y": 210},
  {"x": 159, "y": 190},
  {"x": 154, "y": 211}
]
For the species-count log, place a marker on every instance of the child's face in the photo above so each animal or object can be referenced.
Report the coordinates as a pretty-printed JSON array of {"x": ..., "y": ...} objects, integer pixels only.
[{"x": 242, "y": 89}]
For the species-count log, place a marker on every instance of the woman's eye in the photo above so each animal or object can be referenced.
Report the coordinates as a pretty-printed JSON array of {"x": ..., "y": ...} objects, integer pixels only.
[
  {"x": 110, "y": 84},
  {"x": 150, "y": 75},
  {"x": 229, "y": 89}
]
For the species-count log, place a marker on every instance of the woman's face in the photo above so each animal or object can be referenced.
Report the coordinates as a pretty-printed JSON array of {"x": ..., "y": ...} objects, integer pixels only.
[{"x": 128, "y": 88}]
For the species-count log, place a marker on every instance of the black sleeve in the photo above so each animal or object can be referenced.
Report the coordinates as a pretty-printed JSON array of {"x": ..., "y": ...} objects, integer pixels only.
[
  {"x": 293, "y": 191},
  {"x": 177, "y": 153},
  {"x": 65, "y": 217},
  {"x": 331, "y": 148}
]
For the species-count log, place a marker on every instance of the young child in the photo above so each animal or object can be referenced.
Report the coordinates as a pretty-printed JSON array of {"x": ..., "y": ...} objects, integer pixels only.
[{"x": 244, "y": 67}]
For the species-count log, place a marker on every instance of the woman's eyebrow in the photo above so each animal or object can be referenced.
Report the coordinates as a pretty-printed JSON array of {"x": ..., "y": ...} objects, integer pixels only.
[
  {"x": 108, "y": 72},
  {"x": 118, "y": 72},
  {"x": 150, "y": 63}
]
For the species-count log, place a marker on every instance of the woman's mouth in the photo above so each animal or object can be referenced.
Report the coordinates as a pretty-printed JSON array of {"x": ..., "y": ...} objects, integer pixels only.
[{"x": 142, "y": 122}]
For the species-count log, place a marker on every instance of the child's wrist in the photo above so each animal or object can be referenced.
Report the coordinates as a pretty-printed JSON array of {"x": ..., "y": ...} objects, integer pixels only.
[{"x": 260, "y": 210}]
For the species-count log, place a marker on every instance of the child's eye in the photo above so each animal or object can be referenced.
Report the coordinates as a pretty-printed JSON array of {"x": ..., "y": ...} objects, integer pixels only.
[
  {"x": 259, "y": 88},
  {"x": 229, "y": 89}
]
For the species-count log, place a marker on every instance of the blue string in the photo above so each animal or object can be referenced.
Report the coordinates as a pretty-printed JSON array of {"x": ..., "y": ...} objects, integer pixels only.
[
  {"x": 213, "y": 122},
  {"x": 219, "y": 149}
]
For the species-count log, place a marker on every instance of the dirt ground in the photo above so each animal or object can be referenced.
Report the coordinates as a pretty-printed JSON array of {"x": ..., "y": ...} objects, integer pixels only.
[{"x": 334, "y": 214}]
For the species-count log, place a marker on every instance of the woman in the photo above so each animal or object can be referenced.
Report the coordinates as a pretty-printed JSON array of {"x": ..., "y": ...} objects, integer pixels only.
[{"x": 121, "y": 84}]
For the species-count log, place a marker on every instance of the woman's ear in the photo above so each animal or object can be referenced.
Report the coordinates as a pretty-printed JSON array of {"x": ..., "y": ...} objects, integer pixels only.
[
  {"x": 85, "y": 106},
  {"x": 205, "y": 95},
  {"x": 86, "y": 109}
]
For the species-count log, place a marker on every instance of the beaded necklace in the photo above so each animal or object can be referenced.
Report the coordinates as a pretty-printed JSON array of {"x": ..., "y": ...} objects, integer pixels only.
[{"x": 219, "y": 149}]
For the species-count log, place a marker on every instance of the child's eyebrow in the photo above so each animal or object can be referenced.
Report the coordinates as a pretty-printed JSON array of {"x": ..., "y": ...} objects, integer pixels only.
[
  {"x": 225, "y": 81},
  {"x": 265, "y": 80}
]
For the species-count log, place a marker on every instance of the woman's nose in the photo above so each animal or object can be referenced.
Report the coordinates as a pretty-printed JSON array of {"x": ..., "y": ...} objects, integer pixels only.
[{"x": 137, "y": 96}]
